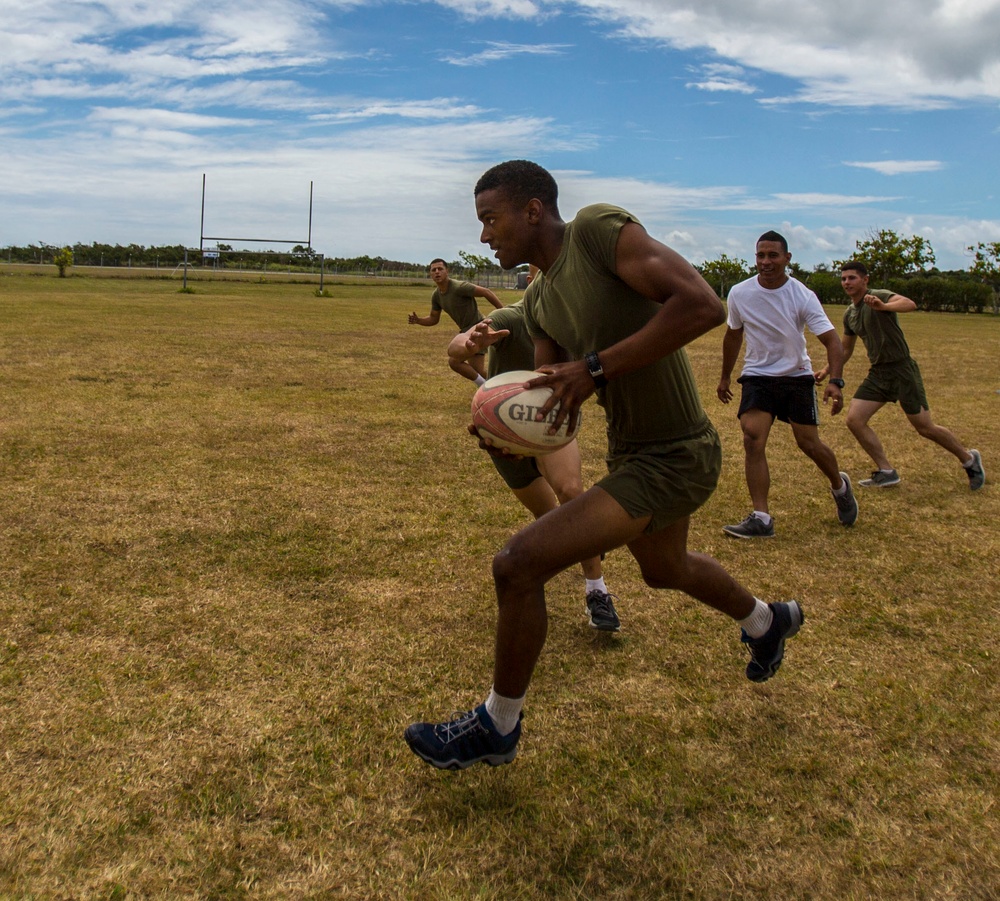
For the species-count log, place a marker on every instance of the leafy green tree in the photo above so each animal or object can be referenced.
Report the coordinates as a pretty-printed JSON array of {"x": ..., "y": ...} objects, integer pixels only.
[
  {"x": 887, "y": 255},
  {"x": 986, "y": 265},
  {"x": 63, "y": 260},
  {"x": 826, "y": 286},
  {"x": 474, "y": 262},
  {"x": 724, "y": 272}
]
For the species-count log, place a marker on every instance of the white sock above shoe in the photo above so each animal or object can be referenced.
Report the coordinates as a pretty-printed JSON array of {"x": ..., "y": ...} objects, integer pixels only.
[
  {"x": 763, "y": 517},
  {"x": 597, "y": 585},
  {"x": 758, "y": 622},
  {"x": 504, "y": 712}
]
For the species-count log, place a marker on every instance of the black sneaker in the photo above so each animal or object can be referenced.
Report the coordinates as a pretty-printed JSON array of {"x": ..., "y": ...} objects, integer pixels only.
[
  {"x": 977, "y": 475},
  {"x": 601, "y": 609},
  {"x": 766, "y": 652},
  {"x": 881, "y": 479},
  {"x": 469, "y": 738},
  {"x": 751, "y": 527},
  {"x": 847, "y": 504}
]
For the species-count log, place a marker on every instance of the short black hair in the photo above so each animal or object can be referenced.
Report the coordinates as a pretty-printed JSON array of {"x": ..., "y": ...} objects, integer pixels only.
[
  {"x": 856, "y": 266},
  {"x": 438, "y": 260},
  {"x": 774, "y": 236},
  {"x": 521, "y": 181}
]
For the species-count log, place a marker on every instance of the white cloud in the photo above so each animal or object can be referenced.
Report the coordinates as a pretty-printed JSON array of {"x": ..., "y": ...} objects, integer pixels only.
[
  {"x": 898, "y": 167},
  {"x": 160, "y": 118},
  {"x": 721, "y": 77},
  {"x": 123, "y": 105},
  {"x": 497, "y": 51},
  {"x": 921, "y": 54},
  {"x": 435, "y": 109},
  {"x": 816, "y": 199}
]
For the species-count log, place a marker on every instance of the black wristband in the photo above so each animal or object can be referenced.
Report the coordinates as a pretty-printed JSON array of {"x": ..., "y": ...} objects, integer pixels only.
[
  {"x": 596, "y": 369},
  {"x": 838, "y": 382}
]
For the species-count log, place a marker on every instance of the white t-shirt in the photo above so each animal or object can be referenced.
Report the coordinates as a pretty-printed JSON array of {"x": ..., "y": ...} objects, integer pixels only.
[{"x": 773, "y": 322}]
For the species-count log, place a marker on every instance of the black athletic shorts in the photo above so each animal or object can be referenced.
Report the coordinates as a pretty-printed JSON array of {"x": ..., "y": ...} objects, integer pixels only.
[
  {"x": 517, "y": 473},
  {"x": 790, "y": 399}
]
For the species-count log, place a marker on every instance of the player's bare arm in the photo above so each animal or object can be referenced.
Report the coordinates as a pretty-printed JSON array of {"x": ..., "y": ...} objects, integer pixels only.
[
  {"x": 732, "y": 341},
  {"x": 688, "y": 309},
  {"x": 490, "y": 296},
  {"x": 834, "y": 367},
  {"x": 432, "y": 318},
  {"x": 895, "y": 304},
  {"x": 847, "y": 343}
]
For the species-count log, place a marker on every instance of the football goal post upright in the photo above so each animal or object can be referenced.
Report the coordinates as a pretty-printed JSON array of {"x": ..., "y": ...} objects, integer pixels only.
[{"x": 214, "y": 254}]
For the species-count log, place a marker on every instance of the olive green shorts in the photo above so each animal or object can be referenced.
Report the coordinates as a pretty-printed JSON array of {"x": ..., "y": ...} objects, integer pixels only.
[
  {"x": 517, "y": 473},
  {"x": 666, "y": 481},
  {"x": 893, "y": 382}
]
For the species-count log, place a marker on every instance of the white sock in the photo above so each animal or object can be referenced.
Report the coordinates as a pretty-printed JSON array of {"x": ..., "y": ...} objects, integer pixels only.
[
  {"x": 758, "y": 622},
  {"x": 842, "y": 490},
  {"x": 504, "y": 712},
  {"x": 597, "y": 585},
  {"x": 763, "y": 517},
  {"x": 479, "y": 380},
  {"x": 971, "y": 463}
]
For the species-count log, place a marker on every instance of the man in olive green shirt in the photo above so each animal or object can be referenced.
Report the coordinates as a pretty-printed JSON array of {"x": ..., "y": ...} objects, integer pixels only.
[
  {"x": 458, "y": 300},
  {"x": 893, "y": 376},
  {"x": 611, "y": 313}
]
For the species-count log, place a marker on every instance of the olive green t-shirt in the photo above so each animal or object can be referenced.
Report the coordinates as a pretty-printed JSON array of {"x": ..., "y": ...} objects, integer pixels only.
[
  {"x": 517, "y": 350},
  {"x": 582, "y": 305},
  {"x": 459, "y": 302},
  {"x": 878, "y": 329}
]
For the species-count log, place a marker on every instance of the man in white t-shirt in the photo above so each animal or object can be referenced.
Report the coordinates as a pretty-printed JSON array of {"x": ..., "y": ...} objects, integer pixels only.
[{"x": 771, "y": 312}]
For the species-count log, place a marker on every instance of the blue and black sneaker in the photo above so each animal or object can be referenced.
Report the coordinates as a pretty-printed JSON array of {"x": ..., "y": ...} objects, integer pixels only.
[
  {"x": 766, "y": 652},
  {"x": 601, "y": 611},
  {"x": 459, "y": 743}
]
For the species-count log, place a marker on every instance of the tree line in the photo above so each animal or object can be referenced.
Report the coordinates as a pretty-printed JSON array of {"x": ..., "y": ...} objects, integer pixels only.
[{"x": 902, "y": 264}]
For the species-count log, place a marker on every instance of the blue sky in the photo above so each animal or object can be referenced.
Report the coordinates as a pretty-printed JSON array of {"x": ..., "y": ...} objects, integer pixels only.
[{"x": 711, "y": 120}]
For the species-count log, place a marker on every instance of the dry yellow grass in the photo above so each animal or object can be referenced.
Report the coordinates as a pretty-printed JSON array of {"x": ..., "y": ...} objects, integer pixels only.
[{"x": 244, "y": 541}]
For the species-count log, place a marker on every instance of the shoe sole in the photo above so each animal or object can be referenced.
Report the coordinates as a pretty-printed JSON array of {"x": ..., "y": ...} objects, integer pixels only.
[
  {"x": 738, "y": 535},
  {"x": 867, "y": 483},
  {"x": 797, "y": 619},
  {"x": 456, "y": 764}
]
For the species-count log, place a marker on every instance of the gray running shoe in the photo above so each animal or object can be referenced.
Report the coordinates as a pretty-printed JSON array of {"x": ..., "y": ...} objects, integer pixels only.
[
  {"x": 977, "y": 475},
  {"x": 767, "y": 652},
  {"x": 601, "y": 609},
  {"x": 847, "y": 503},
  {"x": 751, "y": 527},
  {"x": 881, "y": 479}
]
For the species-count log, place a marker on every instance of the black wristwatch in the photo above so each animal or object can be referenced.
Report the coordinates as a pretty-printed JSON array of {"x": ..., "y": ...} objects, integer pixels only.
[
  {"x": 596, "y": 369},
  {"x": 838, "y": 382}
]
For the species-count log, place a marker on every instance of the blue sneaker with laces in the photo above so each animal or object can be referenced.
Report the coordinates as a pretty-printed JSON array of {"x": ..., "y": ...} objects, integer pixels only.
[
  {"x": 767, "y": 651},
  {"x": 459, "y": 743}
]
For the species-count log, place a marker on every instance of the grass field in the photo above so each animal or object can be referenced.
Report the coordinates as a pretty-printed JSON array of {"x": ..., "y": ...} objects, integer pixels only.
[{"x": 244, "y": 540}]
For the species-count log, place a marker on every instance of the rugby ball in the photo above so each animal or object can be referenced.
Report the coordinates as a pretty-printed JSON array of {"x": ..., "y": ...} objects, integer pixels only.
[{"x": 504, "y": 412}]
